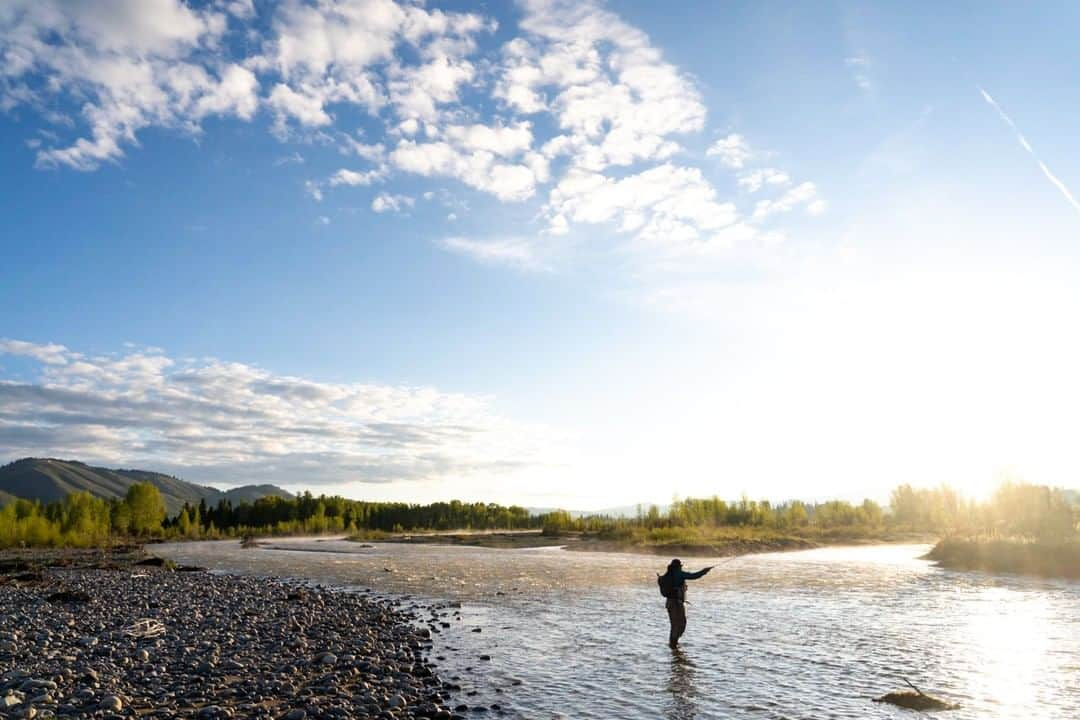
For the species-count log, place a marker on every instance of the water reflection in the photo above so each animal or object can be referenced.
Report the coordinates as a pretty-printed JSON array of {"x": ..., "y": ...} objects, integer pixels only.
[{"x": 684, "y": 705}]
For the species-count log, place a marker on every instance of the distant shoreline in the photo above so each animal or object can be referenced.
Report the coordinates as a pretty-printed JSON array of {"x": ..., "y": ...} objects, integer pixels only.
[{"x": 585, "y": 542}]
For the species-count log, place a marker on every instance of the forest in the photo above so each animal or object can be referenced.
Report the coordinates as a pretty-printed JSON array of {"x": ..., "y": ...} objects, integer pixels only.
[{"x": 1015, "y": 510}]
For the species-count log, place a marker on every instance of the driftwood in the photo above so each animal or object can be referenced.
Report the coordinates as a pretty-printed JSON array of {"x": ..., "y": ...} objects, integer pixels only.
[
  {"x": 917, "y": 700},
  {"x": 145, "y": 628}
]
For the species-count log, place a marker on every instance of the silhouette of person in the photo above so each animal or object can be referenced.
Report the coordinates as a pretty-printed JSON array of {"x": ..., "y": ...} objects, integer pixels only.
[{"x": 676, "y": 601}]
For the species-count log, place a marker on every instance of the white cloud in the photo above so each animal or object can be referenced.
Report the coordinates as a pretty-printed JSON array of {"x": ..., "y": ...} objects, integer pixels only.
[
  {"x": 859, "y": 66},
  {"x": 306, "y": 109},
  {"x": 479, "y": 169},
  {"x": 418, "y": 91},
  {"x": 130, "y": 64},
  {"x": 755, "y": 180},
  {"x": 333, "y": 52},
  {"x": 293, "y": 158},
  {"x": 223, "y": 421},
  {"x": 609, "y": 89},
  {"x": 666, "y": 205},
  {"x": 50, "y": 354},
  {"x": 521, "y": 253},
  {"x": 243, "y": 9},
  {"x": 733, "y": 151},
  {"x": 353, "y": 178},
  {"x": 504, "y": 141},
  {"x": 804, "y": 194},
  {"x": 375, "y": 152},
  {"x": 613, "y": 108},
  {"x": 385, "y": 202}
]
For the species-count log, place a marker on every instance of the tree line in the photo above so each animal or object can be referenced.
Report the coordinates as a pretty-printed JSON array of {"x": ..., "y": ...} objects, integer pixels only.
[
  {"x": 306, "y": 513},
  {"x": 1016, "y": 509},
  {"x": 82, "y": 520}
]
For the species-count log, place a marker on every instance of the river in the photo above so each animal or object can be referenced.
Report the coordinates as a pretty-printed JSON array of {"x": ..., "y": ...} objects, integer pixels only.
[{"x": 812, "y": 634}]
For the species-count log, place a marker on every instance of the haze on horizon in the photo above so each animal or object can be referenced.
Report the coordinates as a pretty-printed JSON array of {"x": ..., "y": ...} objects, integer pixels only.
[{"x": 550, "y": 253}]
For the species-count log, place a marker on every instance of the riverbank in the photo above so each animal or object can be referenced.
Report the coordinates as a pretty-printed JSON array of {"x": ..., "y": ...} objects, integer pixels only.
[
  {"x": 716, "y": 543},
  {"x": 1044, "y": 559},
  {"x": 132, "y": 640}
]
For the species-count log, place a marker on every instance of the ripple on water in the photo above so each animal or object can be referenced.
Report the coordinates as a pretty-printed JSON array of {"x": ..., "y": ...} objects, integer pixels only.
[{"x": 812, "y": 634}]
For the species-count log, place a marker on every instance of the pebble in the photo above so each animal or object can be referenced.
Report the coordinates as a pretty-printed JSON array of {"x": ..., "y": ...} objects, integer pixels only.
[
  {"x": 232, "y": 646},
  {"x": 111, "y": 702}
]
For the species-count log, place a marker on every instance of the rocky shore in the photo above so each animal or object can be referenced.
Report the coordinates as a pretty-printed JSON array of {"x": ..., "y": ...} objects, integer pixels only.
[{"x": 143, "y": 641}]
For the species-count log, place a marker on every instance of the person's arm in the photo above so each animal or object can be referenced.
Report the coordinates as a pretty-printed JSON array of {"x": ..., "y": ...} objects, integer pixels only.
[{"x": 696, "y": 575}]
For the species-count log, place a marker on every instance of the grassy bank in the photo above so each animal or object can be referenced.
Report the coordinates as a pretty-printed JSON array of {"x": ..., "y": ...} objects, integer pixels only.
[
  {"x": 689, "y": 542},
  {"x": 1026, "y": 557}
]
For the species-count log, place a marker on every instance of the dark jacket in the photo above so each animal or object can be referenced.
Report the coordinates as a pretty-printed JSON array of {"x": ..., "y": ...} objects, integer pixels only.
[{"x": 681, "y": 576}]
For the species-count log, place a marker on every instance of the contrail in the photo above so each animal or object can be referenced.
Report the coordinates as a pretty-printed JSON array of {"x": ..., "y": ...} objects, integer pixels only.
[{"x": 1027, "y": 146}]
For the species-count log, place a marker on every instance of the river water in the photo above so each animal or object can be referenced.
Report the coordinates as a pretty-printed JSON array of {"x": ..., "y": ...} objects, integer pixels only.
[{"x": 811, "y": 634}]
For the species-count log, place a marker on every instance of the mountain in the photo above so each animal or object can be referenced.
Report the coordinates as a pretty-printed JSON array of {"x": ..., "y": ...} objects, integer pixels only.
[
  {"x": 48, "y": 479},
  {"x": 251, "y": 493}
]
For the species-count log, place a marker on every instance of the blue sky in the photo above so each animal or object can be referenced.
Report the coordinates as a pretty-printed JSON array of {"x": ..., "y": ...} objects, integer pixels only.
[{"x": 542, "y": 252}]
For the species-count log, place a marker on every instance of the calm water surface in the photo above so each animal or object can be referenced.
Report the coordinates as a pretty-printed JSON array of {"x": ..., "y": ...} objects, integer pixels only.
[{"x": 811, "y": 634}]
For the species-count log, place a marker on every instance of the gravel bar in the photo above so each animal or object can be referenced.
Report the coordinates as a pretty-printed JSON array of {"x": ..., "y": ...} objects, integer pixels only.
[{"x": 150, "y": 642}]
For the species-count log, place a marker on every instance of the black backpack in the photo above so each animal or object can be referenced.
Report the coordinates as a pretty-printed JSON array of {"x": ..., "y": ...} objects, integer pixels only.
[{"x": 667, "y": 584}]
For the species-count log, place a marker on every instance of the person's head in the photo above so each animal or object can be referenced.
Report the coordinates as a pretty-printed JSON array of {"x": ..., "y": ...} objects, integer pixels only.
[{"x": 675, "y": 564}]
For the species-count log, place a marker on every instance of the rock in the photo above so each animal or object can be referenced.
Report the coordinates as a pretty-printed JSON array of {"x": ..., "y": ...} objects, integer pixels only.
[
  {"x": 111, "y": 702},
  {"x": 153, "y": 562},
  {"x": 68, "y": 596},
  {"x": 233, "y": 647},
  {"x": 916, "y": 701}
]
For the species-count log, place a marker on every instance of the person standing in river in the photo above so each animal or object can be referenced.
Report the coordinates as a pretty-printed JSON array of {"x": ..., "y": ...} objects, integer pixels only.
[{"x": 673, "y": 587}]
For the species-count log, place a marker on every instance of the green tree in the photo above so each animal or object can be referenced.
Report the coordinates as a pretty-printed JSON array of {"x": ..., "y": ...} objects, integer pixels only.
[{"x": 146, "y": 507}]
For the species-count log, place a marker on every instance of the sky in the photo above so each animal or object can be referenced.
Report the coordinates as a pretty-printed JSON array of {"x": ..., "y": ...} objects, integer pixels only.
[{"x": 575, "y": 254}]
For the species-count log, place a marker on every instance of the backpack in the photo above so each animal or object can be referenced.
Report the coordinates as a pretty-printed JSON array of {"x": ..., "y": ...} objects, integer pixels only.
[{"x": 667, "y": 584}]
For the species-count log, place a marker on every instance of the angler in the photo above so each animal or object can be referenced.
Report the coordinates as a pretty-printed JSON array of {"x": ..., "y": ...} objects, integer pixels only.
[{"x": 673, "y": 587}]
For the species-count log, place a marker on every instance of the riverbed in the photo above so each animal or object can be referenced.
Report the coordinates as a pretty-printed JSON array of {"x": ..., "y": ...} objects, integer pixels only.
[{"x": 811, "y": 634}]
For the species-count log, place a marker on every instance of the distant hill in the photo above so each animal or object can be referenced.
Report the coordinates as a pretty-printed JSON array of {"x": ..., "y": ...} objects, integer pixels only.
[
  {"x": 251, "y": 493},
  {"x": 623, "y": 511},
  {"x": 48, "y": 479}
]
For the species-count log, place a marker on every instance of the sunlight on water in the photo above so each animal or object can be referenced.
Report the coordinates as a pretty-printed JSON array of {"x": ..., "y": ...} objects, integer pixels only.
[
  {"x": 1009, "y": 631},
  {"x": 796, "y": 635}
]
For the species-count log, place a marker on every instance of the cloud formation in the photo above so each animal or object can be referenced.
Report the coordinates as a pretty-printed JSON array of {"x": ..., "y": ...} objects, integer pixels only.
[
  {"x": 571, "y": 107},
  {"x": 229, "y": 423},
  {"x": 131, "y": 64},
  {"x": 520, "y": 253}
]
